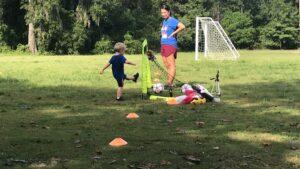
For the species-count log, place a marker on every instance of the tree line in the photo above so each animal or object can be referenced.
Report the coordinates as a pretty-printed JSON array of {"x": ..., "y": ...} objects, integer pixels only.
[{"x": 92, "y": 26}]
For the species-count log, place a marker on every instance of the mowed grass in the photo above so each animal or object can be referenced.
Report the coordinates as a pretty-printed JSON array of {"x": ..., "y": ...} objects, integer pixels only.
[{"x": 58, "y": 112}]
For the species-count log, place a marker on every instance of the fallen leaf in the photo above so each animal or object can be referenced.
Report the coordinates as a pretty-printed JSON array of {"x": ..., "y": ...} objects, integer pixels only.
[
  {"x": 164, "y": 162},
  {"x": 226, "y": 120},
  {"x": 192, "y": 159},
  {"x": 38, "y": 165},
  {"x": 190, "y": 163},
  {"x": 112, "y": 162},
  {"x": 140, "y": 147},
  {"x": 293, "y": 148},
  {"x": 78, "y": 146},
  {"x": 46, "y": 127},
  {"x": 147, "y": 166},
  {"x": 77, "y": 141},
  {"x": 170, "y": 121},
  {"x": 173, "y": 152},
  {"x": 98, "y": 152},
  {"x": 32, "y": 122},
  {"x": 198, "y": 142},
  {"x": 54, "y": 162},
  {"x": 200, "y": 123},
  {"x": 244, "y": 164},
  {"x": 294, "y": 124},
  {"x": 27, "y": 107},
  {"x": 131, "y": 166},
  {"x": 17, "y": 161},
  {"x": 96, "y": 157},
  {"x": 216, "y": 148},
  {"x": 266, "y": 144},
  {"x": 180, "y": 131}
]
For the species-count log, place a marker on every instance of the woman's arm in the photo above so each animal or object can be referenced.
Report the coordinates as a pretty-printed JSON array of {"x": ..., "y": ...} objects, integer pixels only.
[
  {"x": 180, "y": 26},
  {"x": 130, "y": 63},
  {"x": 105, "y": 67}
]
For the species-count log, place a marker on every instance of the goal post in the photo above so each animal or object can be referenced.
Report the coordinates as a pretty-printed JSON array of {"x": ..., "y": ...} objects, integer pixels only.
[{"x": 212, "y": 41}]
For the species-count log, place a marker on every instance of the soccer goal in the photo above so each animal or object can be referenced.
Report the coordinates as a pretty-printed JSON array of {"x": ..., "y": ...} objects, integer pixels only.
[{"x": 212, "y": 41}]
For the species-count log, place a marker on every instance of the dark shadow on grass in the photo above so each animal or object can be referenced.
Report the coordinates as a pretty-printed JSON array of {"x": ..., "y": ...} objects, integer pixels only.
[{"x": 39, "y": 123}]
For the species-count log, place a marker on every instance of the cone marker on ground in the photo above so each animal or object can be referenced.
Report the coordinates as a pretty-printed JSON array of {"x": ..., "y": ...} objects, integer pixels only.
[
  {"x": 118, "y": 142},
  {"x": 132, "y": 116}
]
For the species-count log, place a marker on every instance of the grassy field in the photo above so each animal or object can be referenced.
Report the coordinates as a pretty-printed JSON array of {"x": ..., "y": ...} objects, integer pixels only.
[{"x": 58, "y": 112}]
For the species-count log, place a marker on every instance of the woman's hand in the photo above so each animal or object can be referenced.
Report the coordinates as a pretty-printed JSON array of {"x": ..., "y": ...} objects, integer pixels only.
[
  {"x": 181, "y": 26},
  {"x": 171, "y": 36}
]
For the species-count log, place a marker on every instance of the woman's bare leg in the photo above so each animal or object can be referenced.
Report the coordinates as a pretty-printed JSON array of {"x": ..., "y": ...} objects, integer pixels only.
[{"x": 169, "y": 63}]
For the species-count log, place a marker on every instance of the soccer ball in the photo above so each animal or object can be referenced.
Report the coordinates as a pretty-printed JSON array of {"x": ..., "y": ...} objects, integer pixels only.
[{"x": 158, "y": 87}]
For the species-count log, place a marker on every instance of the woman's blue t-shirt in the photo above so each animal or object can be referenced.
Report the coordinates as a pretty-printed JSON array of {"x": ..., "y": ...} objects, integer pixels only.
[{"x": 168, "y": 27}]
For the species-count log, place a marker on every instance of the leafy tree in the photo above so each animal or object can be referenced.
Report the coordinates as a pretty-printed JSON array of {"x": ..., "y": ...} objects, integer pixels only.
[
  {"x": 240, "y": 29},
  {"x": 75, "y": 27},
  {"x": 103, "y": 46},
  {"x": 279, "y": 36},
  {"x": 280, "y": 29},
  {"x": 133, "y": 46}
]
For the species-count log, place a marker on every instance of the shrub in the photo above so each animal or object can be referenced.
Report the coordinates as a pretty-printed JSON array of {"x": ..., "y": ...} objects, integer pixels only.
[
  {"x": 22, "y": 48},
  {"x": 103, "y": 46},
  {"x": 276, "y": 35},
  {"x": 4, "y": 48},
  {"x": 240, "y": 29},
  {"x": 133, "y": 46}
]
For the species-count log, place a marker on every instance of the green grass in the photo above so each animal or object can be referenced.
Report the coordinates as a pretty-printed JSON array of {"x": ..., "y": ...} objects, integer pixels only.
[{"x": 47, "y": 103}]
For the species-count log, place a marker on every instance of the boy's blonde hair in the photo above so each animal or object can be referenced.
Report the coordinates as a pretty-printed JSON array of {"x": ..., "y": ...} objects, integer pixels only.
[{"x": 119, "y": 47}]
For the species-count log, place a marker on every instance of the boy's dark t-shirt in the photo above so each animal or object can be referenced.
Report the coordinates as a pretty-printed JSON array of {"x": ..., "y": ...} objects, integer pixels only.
[{"x": 117, "y": 62}]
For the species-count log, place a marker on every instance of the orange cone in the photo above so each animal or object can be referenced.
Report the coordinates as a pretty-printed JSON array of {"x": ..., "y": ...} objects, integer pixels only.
[
  {"x": 132, "y": 116},
  {"x": 118, "y": 142},
  {"x": 172, "y": 101}
]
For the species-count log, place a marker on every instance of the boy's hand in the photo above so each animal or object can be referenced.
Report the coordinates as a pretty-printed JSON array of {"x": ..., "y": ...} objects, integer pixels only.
[
  {"x": 130, "y": 63},
  {"x": 101, "y": 72}
]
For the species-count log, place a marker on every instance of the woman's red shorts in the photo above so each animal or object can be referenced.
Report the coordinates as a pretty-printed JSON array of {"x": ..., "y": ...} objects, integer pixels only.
[{"x": 167, "y": 50}]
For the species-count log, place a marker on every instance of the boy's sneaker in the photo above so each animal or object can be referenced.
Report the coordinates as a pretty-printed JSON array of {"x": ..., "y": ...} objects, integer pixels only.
[
  {"x": 120, "y": 99},
  {"x": 136, "y": 77}
]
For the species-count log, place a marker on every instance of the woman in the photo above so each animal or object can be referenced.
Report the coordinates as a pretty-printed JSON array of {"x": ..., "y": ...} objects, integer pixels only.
[{"x": 170, "y": 28}]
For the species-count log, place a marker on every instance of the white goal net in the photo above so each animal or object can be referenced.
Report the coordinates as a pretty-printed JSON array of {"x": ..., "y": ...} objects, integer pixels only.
[{"x": 212, "y": 40}]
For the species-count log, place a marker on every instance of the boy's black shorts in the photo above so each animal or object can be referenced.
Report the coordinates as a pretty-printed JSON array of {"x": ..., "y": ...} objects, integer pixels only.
[{"x": 120, "y": 80}]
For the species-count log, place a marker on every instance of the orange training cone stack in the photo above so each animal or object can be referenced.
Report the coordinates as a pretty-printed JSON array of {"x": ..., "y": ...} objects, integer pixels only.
[
  {"x": 132, "y": 116},
  {"x": 118, "y": 142}
]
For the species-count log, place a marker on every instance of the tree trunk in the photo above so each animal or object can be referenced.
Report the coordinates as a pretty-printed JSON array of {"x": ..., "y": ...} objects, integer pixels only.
[
  {"x": 31, "y": 39},
  {"x": 31, "y": 36}
]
